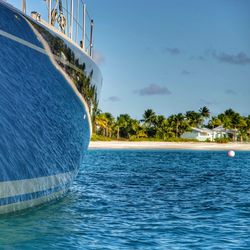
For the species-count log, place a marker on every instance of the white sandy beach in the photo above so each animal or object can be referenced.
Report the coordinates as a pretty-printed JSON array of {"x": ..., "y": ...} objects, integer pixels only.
[{"x": 168, "y": 145}]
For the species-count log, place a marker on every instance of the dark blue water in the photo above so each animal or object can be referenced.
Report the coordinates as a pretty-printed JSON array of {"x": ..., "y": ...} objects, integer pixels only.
[{"x": 143, "y": 200}]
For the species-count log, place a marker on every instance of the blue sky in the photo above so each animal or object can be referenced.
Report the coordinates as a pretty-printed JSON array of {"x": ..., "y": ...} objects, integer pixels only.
[{"x": 172, "y": 56}]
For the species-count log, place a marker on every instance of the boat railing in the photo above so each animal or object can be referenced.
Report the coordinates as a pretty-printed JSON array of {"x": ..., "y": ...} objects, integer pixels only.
[{"x": 69, "y": 17}]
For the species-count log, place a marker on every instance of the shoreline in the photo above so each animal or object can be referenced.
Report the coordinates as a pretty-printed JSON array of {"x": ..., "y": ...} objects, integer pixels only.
[{"x": 169, "y": 145}]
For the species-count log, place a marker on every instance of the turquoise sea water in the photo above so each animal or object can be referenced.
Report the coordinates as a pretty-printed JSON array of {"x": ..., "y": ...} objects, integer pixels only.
[{"x": 143, "y": 200}]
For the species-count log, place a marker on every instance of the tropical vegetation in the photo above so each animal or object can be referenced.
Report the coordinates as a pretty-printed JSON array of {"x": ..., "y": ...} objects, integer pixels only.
[{"x": 158, "y": 127}]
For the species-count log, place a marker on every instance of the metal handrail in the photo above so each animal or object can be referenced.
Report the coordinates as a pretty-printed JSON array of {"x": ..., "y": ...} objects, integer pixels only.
[{"x": 74, "y": 30}]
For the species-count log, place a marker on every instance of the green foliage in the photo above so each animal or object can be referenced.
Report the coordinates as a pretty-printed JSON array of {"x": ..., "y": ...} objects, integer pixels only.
[
  {"x": 214, "y": 122},
  {"x": 222, "y": 140},
  {"x": 204, "y": 112},
  {"x": 194, "y": 119},
  {"x": 172, "y": 139},
  {"x": 179, "y": 124},
  {"x": 96, "y": 137},
  {"x": 155, "y": 127}
]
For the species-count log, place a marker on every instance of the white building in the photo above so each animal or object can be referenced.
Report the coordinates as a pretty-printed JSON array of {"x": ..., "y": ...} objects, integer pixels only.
[
  {"x": 220, "y": 132},
  {"x": 200, "y": 134},
  {"x": 204, "y": 134}
]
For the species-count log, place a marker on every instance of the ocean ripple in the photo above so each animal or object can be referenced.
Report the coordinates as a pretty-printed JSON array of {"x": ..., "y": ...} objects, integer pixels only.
[{"x": 143, "y": 200}]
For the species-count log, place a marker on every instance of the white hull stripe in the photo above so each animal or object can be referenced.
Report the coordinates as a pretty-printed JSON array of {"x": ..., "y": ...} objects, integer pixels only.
[
  {"x": 23, "y": 42},
  {"x": 22, "y": 187},
  {"x": 30, "y": 203},
  {"x": 31, "y": 196},
  {"x": 38, "y": 49}
]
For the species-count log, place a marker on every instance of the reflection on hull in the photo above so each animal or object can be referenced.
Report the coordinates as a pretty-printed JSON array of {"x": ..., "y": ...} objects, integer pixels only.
[{"x": 48, "y": 88}]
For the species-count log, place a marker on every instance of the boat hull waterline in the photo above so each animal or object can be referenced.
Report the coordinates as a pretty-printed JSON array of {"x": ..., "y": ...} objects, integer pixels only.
[{"x": 45, "y": 123}]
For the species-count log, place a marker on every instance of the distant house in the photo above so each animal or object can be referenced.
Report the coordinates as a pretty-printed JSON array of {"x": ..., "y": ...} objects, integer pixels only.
[
  {"x": 200, "y": 134},
  {"x": 204, "y": 134},
  {"x": 220, "y": 132}
]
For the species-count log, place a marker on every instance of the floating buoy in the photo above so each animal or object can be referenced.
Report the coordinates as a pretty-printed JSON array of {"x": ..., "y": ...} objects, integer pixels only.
[{"x": 231, "y": 153}]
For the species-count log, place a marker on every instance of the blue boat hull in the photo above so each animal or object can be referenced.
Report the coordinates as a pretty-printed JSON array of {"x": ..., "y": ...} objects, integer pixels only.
[{"x": 45, "y": 125}]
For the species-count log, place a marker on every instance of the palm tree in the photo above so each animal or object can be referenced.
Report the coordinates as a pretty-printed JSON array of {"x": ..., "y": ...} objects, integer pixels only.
[
  {"x": 231, "y": 120},
  {"x": 136, "y": 130},
  {"x": 110, "y": 124},
  {"x": 122, "y": 123},
  {"x": 164, "y": 130},
  {"x": 194, "y": 119},
  {"x": 179, "y": 124},
  {"x": 226, "y": 121},
  {"x": 149, "y": 119},
  {"x": 214, "y": 122},
  {"x": 248, "y": 127},
  {"x": 204, "y": 112},
  {"x": 242, "y": 127},
  {"x": 237, "y": 124},
  {"x": 102, "y": 123},
  {"x": 229, "y": 112},
  {"x": 140, "y": 132}
]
